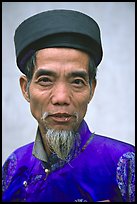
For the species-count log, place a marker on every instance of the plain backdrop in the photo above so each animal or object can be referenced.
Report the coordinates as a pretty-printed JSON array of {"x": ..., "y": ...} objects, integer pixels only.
[{"x": 111, "y": 111}]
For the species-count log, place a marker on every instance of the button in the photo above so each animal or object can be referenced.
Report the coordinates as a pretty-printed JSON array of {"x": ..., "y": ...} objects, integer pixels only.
[
  {"x": 25, "y": 183},
  {"x": 47, "y": 171}
]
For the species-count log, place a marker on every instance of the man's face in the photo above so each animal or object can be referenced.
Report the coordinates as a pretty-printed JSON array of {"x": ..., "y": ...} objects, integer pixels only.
[{"x": 60, "y": 87}]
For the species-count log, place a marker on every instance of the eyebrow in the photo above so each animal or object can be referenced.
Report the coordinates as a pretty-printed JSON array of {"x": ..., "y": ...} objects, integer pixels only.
[
  {"x": 44, "y": 72},
  {"x": 48, "y": 72},
  {"x": 78, "y": 73}
]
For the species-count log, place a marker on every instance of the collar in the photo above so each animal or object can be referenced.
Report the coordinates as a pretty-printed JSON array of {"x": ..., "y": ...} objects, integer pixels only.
[{"x": 39, "y": 150}]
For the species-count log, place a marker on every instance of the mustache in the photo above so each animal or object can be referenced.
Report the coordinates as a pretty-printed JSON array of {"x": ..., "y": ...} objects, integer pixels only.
[{"x": 59, "y": 114}]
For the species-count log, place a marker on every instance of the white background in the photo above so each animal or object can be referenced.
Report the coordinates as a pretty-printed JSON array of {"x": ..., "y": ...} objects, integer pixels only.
[{"x": 111, "y": 112}]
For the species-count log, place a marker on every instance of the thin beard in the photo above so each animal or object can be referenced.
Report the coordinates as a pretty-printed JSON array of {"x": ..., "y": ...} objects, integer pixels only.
[{"x": 61, "y": 142}]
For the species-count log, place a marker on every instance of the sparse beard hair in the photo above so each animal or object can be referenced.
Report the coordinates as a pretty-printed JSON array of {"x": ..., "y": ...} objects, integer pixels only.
[{"x": 60, "y": 141}]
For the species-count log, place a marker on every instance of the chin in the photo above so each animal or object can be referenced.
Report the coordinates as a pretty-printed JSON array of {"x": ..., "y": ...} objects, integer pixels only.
[
  {"x": 62, "y": 127},
  {"x": 59, "y": 128}
]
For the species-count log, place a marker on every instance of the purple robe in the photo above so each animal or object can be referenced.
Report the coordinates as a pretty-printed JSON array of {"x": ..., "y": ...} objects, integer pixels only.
[{"x": 104, "y": 169}]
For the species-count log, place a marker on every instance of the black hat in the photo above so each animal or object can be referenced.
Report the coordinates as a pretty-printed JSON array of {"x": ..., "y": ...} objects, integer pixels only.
[{"x": 57, "y": 28}]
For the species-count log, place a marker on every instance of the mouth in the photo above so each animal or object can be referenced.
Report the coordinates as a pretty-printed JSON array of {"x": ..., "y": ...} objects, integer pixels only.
[{"x": 61, "y": 117}]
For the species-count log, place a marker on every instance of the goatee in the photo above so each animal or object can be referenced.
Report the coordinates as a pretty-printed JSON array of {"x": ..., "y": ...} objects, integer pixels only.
[{"x": 61, "y": 142}]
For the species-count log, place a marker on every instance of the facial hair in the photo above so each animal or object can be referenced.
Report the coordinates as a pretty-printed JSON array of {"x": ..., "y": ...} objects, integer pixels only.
[{"x": 61, "y": 142}]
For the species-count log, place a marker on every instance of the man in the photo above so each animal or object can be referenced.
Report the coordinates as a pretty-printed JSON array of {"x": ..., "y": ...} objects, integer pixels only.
[{"x": 58, "y": 52}]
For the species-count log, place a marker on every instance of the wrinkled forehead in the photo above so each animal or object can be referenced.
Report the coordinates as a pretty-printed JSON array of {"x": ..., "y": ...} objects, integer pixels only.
[{"x": 67, "y": 61}]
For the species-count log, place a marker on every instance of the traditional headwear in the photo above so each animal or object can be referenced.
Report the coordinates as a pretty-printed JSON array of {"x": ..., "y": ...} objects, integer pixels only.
[{"x": 57, "y": 28}]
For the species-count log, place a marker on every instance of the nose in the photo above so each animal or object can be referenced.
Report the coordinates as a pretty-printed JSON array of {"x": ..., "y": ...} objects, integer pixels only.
[{"x": 61, "y": 95}]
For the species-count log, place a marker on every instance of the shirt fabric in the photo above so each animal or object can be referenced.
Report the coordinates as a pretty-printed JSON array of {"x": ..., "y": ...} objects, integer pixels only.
[{"x": 101, "y": 169}]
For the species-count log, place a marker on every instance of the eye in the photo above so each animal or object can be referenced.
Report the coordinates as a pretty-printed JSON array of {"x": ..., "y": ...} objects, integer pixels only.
[
  {"x": 78, "y": 82},
  {"x": 45, "y": 81}
]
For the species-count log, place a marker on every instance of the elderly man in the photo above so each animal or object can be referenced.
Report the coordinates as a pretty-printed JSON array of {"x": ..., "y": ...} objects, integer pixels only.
[{"x": 58, "y": 52}]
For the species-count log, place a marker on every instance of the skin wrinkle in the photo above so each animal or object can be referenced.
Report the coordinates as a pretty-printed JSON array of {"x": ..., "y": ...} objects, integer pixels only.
[
  {"x": 31, "y": 66},
  {"x": 60, "y": 84}
]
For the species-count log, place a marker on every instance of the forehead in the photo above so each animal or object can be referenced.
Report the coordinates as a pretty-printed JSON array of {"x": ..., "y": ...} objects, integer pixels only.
[
  {"x": 61, "y": 60},
  {"x": 62, "y": 55}
]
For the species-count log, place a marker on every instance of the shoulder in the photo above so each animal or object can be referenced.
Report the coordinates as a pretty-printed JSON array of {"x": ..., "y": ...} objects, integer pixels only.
[
  {"x": 25, "y": 150},
  {"x": 110, "y": 151},
  {"x": 22, "y": 153},
  {"x": 19, "y": 153},
  {"x": 113, "y": 146}
]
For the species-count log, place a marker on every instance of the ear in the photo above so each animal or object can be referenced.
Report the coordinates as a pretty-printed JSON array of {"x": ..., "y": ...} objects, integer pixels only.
[
  {"x": 93, "y": 86},
  {"x": 23, "y": 85}
]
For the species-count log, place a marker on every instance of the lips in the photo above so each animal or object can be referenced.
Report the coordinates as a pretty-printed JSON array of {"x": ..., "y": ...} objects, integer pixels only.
[{"x": 61, "y": 117}]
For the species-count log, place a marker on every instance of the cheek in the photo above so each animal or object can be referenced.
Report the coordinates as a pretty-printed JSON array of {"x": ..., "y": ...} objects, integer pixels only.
[
  {"x": 82, "y": 105},
  {"x": 36, "y": 104}
]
